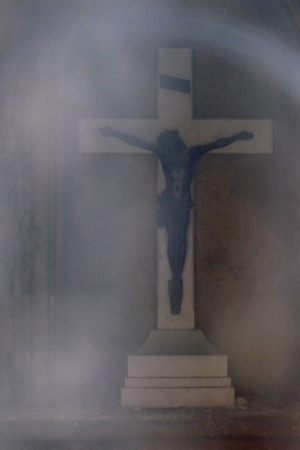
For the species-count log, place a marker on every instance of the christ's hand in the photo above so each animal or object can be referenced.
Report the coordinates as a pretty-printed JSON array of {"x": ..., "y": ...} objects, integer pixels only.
[{"x": 107, "y": 131}]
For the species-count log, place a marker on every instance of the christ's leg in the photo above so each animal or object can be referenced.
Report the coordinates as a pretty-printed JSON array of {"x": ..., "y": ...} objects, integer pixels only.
[{"x": 177, "y": 248}]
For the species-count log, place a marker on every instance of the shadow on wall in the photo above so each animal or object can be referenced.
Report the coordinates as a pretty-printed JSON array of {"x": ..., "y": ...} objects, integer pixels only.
[{"x": 245, "y": 254}]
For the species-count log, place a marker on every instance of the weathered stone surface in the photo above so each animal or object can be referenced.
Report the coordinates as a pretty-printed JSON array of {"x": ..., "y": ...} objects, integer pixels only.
[
  {"x": 177, "y": 397},
  {"x": 187, "y": 382},
  {"x": 177, "y": 366}
]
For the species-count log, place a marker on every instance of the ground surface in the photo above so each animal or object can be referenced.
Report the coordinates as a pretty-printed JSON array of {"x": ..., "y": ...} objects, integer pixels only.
[{"x": 251, "y": 424}]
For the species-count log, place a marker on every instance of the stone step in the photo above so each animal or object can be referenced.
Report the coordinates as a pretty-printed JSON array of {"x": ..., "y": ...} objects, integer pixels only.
[
  {"x": 177, "y": 366},
  {"x": 176, "y": 382},
  {"x": 176, "y": 397}
]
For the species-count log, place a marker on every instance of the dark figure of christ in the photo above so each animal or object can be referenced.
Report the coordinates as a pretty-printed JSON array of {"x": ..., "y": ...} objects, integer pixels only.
[{"x": 175, "y": 201}]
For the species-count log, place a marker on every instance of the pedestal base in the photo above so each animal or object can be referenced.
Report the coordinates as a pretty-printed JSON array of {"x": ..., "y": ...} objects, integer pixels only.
[
  {"x": 177, "y": 369},
  {"x": 176, "y": 397}
]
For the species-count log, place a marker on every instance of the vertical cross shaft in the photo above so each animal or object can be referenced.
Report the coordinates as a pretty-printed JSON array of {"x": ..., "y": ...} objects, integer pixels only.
[{"x": 175, "y": 105}]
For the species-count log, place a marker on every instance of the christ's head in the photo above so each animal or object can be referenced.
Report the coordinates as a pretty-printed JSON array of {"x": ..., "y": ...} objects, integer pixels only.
[{"x": 170, "y": 141}]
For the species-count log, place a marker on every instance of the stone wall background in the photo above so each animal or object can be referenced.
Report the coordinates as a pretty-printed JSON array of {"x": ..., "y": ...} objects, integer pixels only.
[{"x": 78, "y": 232}]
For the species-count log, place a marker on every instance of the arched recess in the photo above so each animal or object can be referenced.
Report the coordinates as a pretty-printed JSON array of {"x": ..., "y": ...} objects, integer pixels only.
[{"x": 55, "y": 99}]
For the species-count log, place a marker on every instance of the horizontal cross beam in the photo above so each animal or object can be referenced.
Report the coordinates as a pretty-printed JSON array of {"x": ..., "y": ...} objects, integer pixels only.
[{"x": 193, "y": 132}]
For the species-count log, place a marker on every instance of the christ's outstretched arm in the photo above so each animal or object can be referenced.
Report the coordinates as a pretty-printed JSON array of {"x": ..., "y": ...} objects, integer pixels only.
[
  {"x": 131, "y": 140},
  {"x": 220, "y": 143}
]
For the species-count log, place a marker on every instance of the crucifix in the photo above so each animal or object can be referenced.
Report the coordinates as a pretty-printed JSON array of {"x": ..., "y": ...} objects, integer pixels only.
[{"x": 175, "y": 130}]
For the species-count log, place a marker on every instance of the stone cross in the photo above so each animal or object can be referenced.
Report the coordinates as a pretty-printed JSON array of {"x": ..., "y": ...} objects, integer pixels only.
[{"x": 174, "y": 111}]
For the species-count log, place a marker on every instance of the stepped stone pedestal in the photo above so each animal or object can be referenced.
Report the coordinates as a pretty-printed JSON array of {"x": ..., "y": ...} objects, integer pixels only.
[{"x": 177, "y": 368}]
